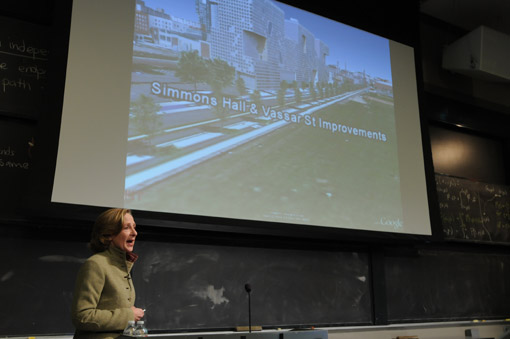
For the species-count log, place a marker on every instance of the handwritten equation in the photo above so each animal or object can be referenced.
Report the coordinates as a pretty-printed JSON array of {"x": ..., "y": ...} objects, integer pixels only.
[{"x": 473, "y": 210}]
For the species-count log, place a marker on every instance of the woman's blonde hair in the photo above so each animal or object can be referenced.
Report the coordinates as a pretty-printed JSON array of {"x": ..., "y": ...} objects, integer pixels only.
[{"x": 108, "y": 224}]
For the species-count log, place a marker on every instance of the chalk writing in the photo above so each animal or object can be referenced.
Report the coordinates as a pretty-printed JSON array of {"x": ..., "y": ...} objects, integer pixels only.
[
  {"x": 472, "y": 210},
  {"x": 24, "y": 60},
  {"x": 22, "y": 49},
  {"x": 19, "y": 83},
  {"x": 11, "y": 159}
]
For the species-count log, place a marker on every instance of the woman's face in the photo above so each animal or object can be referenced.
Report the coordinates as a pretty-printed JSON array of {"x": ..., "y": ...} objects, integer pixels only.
[{"x": 125, "y": 240}]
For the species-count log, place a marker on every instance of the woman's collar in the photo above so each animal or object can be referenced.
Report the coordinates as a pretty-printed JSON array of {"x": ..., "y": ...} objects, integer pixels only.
[{"x": 129, "y": 256}]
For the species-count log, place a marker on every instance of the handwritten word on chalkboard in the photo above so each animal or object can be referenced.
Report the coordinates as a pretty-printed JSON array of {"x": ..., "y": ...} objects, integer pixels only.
[
  {"x": 23, "y": 68},
  {"x": 473, "y": 210},
  {"x": 10, "y": 157},
  {"x": 17, "y": 147}
]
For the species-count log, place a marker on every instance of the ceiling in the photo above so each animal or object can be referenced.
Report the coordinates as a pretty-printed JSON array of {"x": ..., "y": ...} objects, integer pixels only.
[{"x": 470, "y": 14}]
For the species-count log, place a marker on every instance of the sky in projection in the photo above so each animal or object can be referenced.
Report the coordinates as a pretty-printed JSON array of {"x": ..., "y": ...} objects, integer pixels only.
[{"x": 349, "y": 47}]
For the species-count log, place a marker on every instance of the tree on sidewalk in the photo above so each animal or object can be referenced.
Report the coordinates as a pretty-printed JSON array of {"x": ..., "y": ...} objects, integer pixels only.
[{"x": 192, "y": 68}]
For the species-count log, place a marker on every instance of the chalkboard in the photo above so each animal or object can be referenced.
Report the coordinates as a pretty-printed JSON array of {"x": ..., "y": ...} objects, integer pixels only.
[
  {"x": 436, "y": 285},
  {"x": 473, "y": 211},
  {"x": 202, "y": 286},
  {"x": 36, "y": 285},
  {"x": 24, "y": 55},
  {"x": 190, "y": 286}
]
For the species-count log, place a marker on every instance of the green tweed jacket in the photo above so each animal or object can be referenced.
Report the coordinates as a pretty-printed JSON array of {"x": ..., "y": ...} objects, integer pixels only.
[{"x": 103, "y": 295}]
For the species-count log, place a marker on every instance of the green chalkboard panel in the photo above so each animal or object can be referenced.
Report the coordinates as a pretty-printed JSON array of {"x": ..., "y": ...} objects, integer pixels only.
[
  {"x": 201, "y": 286},
  {"x": 190, "y": 286},
  {"x": 444, "y": 285},
  {"x": 473, "y": 211}
]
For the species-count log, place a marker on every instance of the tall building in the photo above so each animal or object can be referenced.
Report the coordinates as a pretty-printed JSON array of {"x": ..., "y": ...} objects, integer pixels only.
[
  {"x": 304, "y": 55},
  {"x": 247, "y": 35},
  {"x": 252, "y": 36}
]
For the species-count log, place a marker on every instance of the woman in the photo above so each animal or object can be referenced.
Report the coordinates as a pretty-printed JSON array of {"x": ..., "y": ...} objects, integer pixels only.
[{"x": 104, "y": 294}]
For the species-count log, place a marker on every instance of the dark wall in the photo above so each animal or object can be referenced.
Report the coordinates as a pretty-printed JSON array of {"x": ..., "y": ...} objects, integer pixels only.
[{"x": 468, "y": 155}]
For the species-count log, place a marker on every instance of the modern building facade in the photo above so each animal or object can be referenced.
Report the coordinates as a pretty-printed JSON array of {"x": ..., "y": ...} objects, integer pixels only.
[{"x": 252, "y": 36}]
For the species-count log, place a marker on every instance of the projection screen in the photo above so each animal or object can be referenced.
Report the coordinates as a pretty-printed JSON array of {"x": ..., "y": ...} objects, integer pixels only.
[{"x": 250, "y": 110}]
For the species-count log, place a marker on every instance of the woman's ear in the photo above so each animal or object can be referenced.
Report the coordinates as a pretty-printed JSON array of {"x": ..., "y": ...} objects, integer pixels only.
[{"x": 106, "y": 239}]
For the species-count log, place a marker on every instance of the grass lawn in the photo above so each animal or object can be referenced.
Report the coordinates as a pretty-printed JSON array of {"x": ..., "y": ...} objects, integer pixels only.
[{"x": 297, "y": 174}]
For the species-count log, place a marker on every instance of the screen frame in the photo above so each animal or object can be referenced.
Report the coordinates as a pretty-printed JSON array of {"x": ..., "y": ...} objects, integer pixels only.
[{"x": 158, "y": 220}]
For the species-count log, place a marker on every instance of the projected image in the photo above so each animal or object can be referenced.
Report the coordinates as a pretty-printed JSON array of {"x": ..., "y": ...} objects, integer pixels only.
[{"x": 253, "y": 109}]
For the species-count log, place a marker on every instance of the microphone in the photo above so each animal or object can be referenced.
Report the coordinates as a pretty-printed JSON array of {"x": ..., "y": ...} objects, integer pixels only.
[{"x": 247, "y": 288}]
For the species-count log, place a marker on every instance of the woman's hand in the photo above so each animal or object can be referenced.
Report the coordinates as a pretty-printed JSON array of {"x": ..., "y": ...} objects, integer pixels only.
[{"x": 138, "y": 312}]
